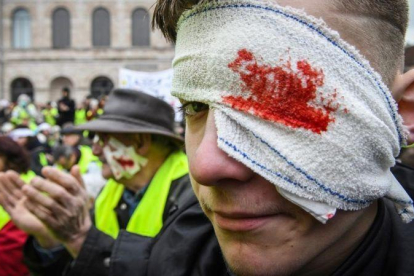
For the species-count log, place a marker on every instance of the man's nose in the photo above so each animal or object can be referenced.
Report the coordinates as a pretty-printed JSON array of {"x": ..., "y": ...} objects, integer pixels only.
[{"x": 210, "y": 165}]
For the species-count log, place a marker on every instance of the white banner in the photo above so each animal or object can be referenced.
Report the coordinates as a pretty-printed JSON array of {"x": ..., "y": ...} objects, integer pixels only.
[{"x": 157, "y": 84}]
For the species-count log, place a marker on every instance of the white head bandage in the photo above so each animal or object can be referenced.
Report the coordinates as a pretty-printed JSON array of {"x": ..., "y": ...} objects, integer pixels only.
[{"x": 293, "y": 102}]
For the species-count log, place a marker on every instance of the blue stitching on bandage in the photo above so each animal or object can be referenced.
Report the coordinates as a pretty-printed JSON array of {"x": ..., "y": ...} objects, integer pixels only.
[
  {"x": 326, "y": 189},
  {"x": 402, "y": 201},
  {"x": 312, "y": 27},
  {"x": 260, "y": 165},
  {"x": 405, "y": 211},
  {"x": 305, "y": 173}
]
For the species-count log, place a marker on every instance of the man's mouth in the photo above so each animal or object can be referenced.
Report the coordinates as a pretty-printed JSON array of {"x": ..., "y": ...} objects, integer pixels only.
[
  {"x": 125, "y": 163},
  {"x": 244, "y": 222}
]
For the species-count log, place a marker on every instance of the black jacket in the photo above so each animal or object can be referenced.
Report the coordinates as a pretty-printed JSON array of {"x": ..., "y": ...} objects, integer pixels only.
[
  {"x": 66, "y": 116},
  {"x": 186, "y": 245},
  {"x": 388, "y": 248}
]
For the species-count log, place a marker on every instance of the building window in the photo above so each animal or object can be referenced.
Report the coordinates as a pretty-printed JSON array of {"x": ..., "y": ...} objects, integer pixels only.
[
  {"x": 21, "y": 33},
  {"x": 21, "y": 86},
  {"x": 140, "y": 28},
  {"x": 61, "y": 28},
  {"x": 101, "y": 28},
  {"x": 101, "y": 86}
]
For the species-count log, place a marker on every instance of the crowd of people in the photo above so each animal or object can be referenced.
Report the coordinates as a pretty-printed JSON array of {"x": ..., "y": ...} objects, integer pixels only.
[
  {"x": 47, "y": 132},
  {"x": 297, "y": 159},
  {"x": 34, "y": 136}
]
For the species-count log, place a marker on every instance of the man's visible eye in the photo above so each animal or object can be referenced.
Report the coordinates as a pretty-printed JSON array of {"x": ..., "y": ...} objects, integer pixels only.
[{"x": 192, "y": 108}]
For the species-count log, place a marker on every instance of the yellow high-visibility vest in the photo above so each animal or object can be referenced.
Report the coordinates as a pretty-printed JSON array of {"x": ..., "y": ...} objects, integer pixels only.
[
  {"x": 43, "y": 159},
  {"x": 80, "y": 116},
  {"x": 87, "y": 157},
  {"x": 23, "y": 114},
  {"x": 50, "y": 115},
  {"x": 4, "y": 217},
  {"x": 147, "y": 217}
]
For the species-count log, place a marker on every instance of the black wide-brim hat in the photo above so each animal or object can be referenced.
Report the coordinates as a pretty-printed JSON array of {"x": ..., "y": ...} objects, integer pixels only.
[{"x": 131, "y": 111}]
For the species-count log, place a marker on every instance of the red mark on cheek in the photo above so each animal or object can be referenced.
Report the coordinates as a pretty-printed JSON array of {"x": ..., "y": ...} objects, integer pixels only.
[
  {"x": 125, "y": 163},
  {"x": 279, "y": 94},
  {"x": 330, "y": 216}
]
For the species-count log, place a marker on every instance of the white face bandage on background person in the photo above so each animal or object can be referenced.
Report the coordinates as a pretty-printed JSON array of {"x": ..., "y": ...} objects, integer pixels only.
[
  {"x": 293, "y": 102},
  {"x": 123, "y": 160}
]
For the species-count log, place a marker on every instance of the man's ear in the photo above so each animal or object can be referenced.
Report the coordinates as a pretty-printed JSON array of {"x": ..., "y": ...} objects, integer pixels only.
[
  {"x": 403, "y": 92},
  {"x": 144, "y": 144}
]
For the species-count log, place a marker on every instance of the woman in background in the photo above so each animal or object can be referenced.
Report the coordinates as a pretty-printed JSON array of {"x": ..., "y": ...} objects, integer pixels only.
[{"x": 12, "y": 157}]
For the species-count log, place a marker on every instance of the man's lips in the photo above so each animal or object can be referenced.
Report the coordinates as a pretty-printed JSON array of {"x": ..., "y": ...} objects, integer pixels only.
[
  {"x": 244, "y": 222},
  {"x": 125, "y": 163}
]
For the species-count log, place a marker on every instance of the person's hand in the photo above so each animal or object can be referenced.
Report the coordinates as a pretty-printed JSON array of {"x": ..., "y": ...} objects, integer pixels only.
[
  {"x": 61, "y": 202},
  {"x": 12, "y": 199},
  {"x": 63, "y": 107}
]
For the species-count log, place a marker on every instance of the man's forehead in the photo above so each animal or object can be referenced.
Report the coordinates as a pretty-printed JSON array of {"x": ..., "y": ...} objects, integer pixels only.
[
  {"x": 346, "y": 23},
  {"x": 119, "y": 136},
  {"x": 335, "y": 18}
]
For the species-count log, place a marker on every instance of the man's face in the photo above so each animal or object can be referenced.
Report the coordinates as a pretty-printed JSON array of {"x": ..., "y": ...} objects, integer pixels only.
[
  {"x": 22, "y": 141},
  {"x": 260, "y": 232},
  {"x": 71, "y": 139},
  {"x": 98, "y": 146},
  {"x": 67, "y": 162}
]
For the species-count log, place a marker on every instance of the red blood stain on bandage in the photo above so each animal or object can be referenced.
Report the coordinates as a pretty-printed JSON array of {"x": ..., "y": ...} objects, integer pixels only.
[
  {"x": 280, "y": 94},
  {"x": 125, "y": 163}
]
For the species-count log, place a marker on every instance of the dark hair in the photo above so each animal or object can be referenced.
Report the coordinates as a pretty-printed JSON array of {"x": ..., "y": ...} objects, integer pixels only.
[
  {"x": 167, "y": 13},
  {"x": 16, "y": 158},
  {"x": 63, "y": 151},
  {"x": 383, "y": 25},
  {"x": 382, "y": 35},
  {"x": 66, "y": 89}
]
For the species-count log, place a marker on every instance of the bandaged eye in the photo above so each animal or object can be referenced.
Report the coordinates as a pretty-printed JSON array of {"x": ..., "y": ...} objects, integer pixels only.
[{"x": 192, "y": 108}]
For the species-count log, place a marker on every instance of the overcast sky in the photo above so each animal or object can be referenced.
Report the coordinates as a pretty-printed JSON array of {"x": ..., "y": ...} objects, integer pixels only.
[{"x": 410, "y": 33}]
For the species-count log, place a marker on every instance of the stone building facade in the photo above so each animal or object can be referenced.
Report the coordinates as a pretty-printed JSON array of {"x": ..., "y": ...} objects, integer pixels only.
[{"x": 81, "y": 44}]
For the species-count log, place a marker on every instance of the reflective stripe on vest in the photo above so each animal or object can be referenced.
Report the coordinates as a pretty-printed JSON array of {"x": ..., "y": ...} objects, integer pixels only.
[
  {"x": 4, "y": 217},
  {"x": 147, "y": 217}
]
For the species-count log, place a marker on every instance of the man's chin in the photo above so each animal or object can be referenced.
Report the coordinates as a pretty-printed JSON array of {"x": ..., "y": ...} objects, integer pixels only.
[
  {"x": 244, "y": 263},
  {"x": 246, "y": 256}
]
